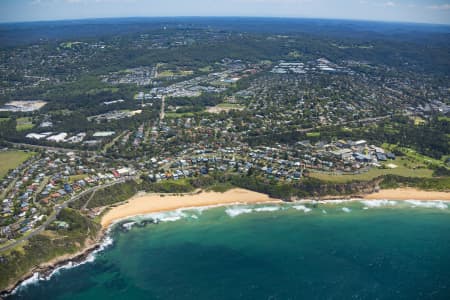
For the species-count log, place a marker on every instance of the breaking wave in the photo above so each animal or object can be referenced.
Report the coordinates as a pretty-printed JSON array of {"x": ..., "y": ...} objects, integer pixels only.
[
  {"x": 232, "y": 211},
  {"x": 37, "y": 277},
  {"x": 34, "y": 279},
  {"x": 236, "y": 211},
  {"x": 428, "y": 204},
  {"x": 267, "y": 208},
  {"x": 239, "y": 210},
  {"x": 128, "y": 225},
  {"x": 378, "y": 203},
  {"x": 302, "y": 208}
]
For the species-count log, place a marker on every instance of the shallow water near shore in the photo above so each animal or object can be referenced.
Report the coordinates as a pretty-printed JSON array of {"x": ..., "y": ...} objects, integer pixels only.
[{"x": 349, "y": 250}]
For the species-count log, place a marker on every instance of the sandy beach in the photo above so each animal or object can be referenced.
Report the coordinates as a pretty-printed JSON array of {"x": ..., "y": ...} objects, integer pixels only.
[
  {"x": 150, "y": 203},
  {"x": 408, "y": 194}
]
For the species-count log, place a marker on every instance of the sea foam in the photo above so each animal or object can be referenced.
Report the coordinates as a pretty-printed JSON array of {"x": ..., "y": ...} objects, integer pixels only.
[
  {"x": 128, "y": 225},
  {"x": 267, "y": 208},
  {"x": 427, "y": 204},
  {"x": 34, "y": 279},
  {"x": 169, "y": 216},
  {"x": 239, "y": 210},
  {"x": 302, "y": 208},
  {"x": 37, "y": 277},
  {"x": 346, "y": 209},
  {"x": 236, "y": 211},
  {"x": 378, "y": 203}
]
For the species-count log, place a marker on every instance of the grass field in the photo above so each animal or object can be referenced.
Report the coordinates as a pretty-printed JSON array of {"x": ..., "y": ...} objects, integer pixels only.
[
  {"x": 404, "y": 168},
  {"x": 170, "y": 73},
  {"x": 442, "y": 118},
  {"x": 206, "y": 69},
  {"x": 418, "y": 121},
  {"x": 74, "y": 178},
  {"x": 11, "y": 159},
  {"x": 180, "y": 115},
  {"x": 24, "y": 124},
  {"x": 4, "y": 119},
  {"x": 414, "y": 156},
  {"x": 230, "y": 105},
  {"x": 313, "y": 134}
]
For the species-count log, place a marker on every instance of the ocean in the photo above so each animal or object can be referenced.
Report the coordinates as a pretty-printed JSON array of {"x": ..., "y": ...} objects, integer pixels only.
[{"x": 346, "y": 250}]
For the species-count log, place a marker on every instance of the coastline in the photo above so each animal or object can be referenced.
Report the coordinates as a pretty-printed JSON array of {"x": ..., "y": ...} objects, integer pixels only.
[
  {"x": 140, "y": 205},
  {"x": 47, "y": 268},
  {"x": 408, "y": 194},
  {"x": 155, "y": 202}
]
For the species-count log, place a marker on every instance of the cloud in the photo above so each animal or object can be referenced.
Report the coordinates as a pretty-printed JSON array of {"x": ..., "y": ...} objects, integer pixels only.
[
  {"x": 378, "y": 4},
  {"x": 275, "y": 1},
  {"x": 440, "y": 7}
]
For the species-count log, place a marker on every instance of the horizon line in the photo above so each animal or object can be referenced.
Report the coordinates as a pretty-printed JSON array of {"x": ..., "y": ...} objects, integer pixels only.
[{"x": 224, "y": 17}]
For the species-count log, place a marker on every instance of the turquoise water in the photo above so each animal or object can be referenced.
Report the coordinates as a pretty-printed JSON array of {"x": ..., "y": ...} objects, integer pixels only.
[{"x": 333, "y": 251}]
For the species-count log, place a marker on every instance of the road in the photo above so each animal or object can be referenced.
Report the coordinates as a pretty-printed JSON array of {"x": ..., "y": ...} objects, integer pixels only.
[
  {"x": 57, "y": 210},
  {"x": 162, "y": 114}
]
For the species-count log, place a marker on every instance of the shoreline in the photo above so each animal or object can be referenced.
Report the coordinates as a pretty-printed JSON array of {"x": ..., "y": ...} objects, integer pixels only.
[
  {"x": 155, "y": 203},
  {"x": 142, "y": 204},
  {"x": 408, "y": 194},
  {"x": 46, "y": 269}
]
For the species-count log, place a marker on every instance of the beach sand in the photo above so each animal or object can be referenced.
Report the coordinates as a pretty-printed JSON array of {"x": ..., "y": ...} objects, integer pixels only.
[
  {"x": 150, "y": 203},
  {"x": 408, "y": 194}
]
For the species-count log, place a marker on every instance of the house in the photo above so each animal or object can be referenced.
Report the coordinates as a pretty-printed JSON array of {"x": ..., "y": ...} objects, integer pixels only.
[
  {"x": 343, "y": 154},
  {"x": 62, "y": 224},
  {"x": 362, "y": 158},
  {"x": 124, "y": 172},
  {"x": 67, "y": 188},
  {"x": 361, "y": 144},
  {"x": 390, "y": 155},
  {"x": 55, "y": 195},
  {"x": 381, "y": 156}
]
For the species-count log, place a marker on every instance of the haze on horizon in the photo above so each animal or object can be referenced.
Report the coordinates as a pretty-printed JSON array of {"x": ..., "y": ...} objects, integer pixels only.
[{"x": 417, "y": 11}]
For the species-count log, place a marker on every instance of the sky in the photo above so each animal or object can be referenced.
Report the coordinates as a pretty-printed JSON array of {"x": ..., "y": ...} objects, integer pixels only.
[{"x": 420, "y": 11}]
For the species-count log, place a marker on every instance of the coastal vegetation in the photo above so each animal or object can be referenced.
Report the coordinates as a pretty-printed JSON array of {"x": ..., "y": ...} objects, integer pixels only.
[
  {"x": 169, "y": 186},
  {"x": 113, "y": 194},
  {"x": 429, "y": 184},
  {"x": 107, "y": 196},
  {"x": 401, "y": 166},
  {"x": 218, "y": 182},
  {"x": 192, "y": 108},
  {"x": 46, "y": 246},
  {"x": 57, "y": 241}
]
